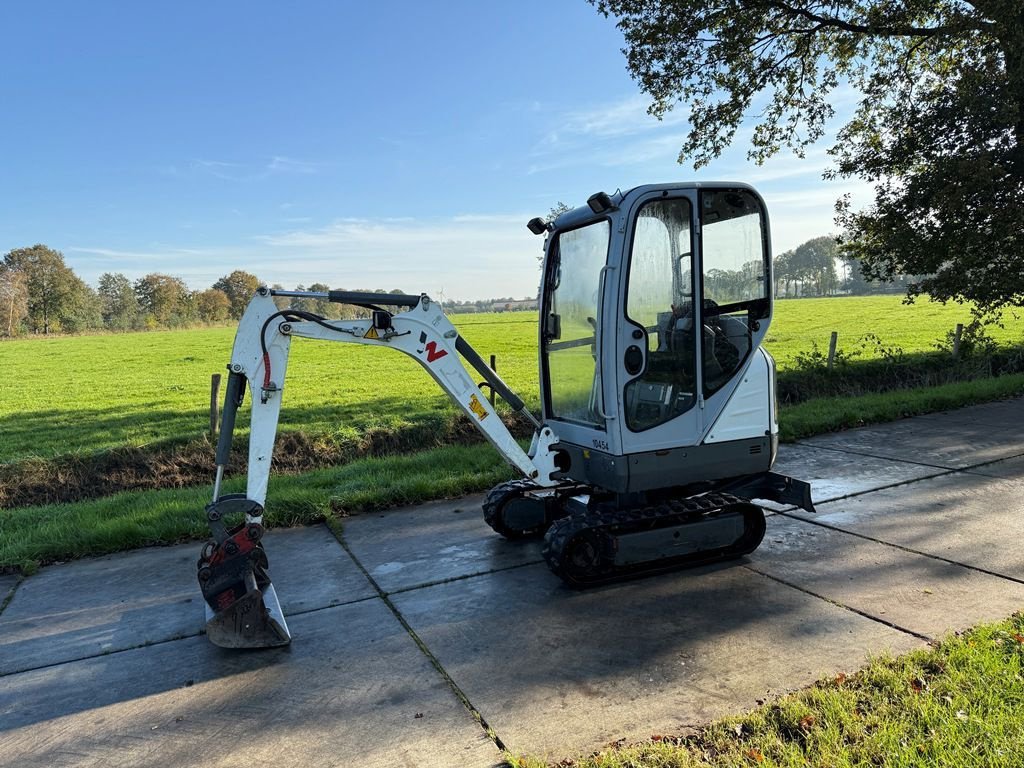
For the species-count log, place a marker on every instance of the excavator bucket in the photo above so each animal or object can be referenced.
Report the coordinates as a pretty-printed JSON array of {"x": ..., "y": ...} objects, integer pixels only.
[
  {"x": 242, "y": 609},
  {"x": 253, "y": 621}
]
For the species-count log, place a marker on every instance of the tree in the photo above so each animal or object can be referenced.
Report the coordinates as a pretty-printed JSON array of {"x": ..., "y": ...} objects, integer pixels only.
[
  {"x": 82, "y": 309},
  {"x": 939, "y": 129},
  {"x": 213, "y": 305},
  {"x": 239, "y": 287},
  {"x": 816, "y": 261},
  {"x": 56, "y": 298},
  {"x": 120, "y": 306},
  {"x": 13, "y": 300},
  {"x": 161, "y": 298}
]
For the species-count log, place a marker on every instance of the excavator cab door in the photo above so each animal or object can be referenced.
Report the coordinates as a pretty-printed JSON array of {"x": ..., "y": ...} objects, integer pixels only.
[
  {"x": 570, "y": 334},
  {"x": 693, "y": 307}
]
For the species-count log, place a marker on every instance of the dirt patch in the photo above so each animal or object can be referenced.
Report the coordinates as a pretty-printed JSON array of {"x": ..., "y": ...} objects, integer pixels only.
[{"x": 77, "y": 477}]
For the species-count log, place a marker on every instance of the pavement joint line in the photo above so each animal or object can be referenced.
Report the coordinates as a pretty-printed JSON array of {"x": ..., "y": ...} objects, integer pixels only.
[
  {"x": 883, "y": 458},
  {"x": 838, "y": 604},
  {"x": 175, "y": 639},
  {"x": 434, "y": 661},
  {"x": 969, "y": 470},
  {"x": 103, "y": 654},
  {"x": 452, "y": 579},
  {"x": 10, "y": 594},
  {"x": 864, "y": 536}
]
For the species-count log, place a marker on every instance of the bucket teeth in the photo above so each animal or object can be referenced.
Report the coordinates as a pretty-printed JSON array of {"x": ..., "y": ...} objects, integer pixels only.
[{"x": 253, "y": 621}]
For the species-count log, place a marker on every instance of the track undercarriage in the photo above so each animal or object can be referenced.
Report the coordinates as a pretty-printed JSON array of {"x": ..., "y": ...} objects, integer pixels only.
[{"x": 591, "y": 540}]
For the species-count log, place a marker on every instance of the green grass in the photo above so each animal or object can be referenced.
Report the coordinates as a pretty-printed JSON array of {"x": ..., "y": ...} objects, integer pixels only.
[
  {"x": 90, "y": 393},
  {"x": 960, "y": 704},
  {"x": 831, "y": 414},
  {"x": 54, "y": 532},
  {"x": 916, "y": 327}
]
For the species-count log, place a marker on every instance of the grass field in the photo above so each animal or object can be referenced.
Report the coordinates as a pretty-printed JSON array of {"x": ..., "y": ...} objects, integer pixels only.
[{"x": 95, "y": 392}]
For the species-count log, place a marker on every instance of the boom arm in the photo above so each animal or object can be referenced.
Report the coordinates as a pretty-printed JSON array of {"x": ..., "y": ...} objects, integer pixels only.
[
  {"x": 242, "y": 609},
  {"x": 423, "y": 332}
]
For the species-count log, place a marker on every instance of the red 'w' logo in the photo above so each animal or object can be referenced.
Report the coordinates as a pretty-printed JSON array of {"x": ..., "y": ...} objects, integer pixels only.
[{"x": 433, "y": 353}]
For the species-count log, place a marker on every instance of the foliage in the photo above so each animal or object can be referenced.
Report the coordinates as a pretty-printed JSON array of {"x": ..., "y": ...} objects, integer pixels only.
[
  {"x": 121, "y": 311},
  {"x": 213, "y": 305},
  {"x": 13, "y": 300},
  {"x": 55, "y": 298},
  {"x": 810, "y": 268},
  {"x": 161, "y": 297},
  {"x": 239, "y": 287},
  {"x": 939, "y": 129}
]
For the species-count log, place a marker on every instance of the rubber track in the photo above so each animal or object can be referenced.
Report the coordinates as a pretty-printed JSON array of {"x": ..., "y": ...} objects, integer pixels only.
[
  {"x": 497, "y": 498},
  {"x": 604, "y": 524}
]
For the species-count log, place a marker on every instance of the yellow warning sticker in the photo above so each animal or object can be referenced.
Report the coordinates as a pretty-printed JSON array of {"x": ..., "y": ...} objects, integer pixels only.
[
  {"x": 477, "y": 408},
  {"x": 371, "y": 333}
]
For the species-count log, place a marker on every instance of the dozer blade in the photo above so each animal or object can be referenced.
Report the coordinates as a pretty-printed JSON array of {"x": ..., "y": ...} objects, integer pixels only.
[{"x": 253, "y": 621}]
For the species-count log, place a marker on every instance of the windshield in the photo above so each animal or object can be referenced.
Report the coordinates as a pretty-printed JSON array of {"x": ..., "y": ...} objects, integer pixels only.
[{"x": 570, "y": 322}]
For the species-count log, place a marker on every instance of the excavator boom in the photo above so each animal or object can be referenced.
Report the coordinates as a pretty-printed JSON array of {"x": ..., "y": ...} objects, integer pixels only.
[{"x": 242, "y": 606}]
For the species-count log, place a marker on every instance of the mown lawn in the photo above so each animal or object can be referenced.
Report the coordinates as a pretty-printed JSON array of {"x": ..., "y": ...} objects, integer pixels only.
[{"x": 89, "y": 393}]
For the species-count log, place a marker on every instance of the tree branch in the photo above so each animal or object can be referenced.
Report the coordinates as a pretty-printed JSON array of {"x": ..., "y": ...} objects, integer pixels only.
[{"x": 898, "y": 30}]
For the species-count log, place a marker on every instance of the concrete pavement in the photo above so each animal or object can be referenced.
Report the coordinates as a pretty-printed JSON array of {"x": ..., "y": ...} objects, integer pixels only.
[{"x": 422, "y": 639}]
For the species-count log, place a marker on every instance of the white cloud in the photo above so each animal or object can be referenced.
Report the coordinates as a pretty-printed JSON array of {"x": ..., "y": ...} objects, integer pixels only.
[
  {"x": 280, "y": 164},
  {"x": 470, "y": 256}
]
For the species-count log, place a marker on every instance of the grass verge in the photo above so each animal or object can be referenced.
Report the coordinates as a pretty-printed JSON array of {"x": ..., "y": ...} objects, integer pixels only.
[
  {"x": 30, "y": 536},
  {"x": 832, "y": 414},
  {"x": 960, "y": 703}
]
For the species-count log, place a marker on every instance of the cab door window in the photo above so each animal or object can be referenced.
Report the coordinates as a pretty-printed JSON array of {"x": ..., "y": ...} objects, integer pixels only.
[
  {"x": 659, "y": 297},
  {"x": 734, "y": 284}
]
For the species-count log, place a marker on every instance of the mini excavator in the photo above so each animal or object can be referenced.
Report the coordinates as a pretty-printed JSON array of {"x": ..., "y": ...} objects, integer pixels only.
[{"x": 658, "y": 423}]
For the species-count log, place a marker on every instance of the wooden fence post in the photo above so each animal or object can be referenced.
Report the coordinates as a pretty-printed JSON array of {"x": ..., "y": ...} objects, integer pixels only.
[
  {"x": 956, "y": 340},
  {"x": 214, "y": 401},
  {"x": 832, "y": 349}
]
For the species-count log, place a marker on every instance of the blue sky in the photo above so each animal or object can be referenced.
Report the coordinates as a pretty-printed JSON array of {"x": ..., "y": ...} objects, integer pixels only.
[{"x": 363, "y": 145}]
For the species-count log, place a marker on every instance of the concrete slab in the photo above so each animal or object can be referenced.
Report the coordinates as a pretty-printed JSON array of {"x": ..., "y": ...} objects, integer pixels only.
[
  {"x": 106, "y": 604},
  {"x": 833, "y": 474},
  {"x": 354, "y": 691},
  {"x": 432, "y": 542},
  {"x": 914, "y": 592},
  {"x": 557, "y": 672},
  {"x": 998, "y": 414},
  {"x": 951, "y": 444},
  {"x": 964, "y": 517},
  {"x": 1011, "y": 469}
]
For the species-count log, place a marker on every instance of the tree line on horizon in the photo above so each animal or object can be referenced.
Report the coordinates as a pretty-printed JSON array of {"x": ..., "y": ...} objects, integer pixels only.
[{"x": 40, "y": 294}]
